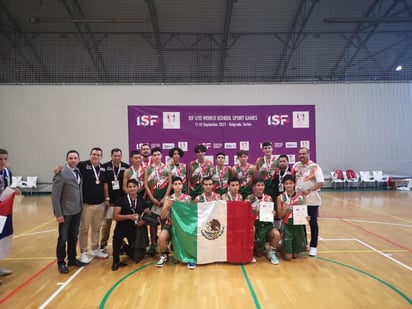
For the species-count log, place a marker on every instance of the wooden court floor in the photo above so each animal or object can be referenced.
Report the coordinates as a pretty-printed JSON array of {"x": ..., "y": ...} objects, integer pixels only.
[{"x": 364, "y": 261}]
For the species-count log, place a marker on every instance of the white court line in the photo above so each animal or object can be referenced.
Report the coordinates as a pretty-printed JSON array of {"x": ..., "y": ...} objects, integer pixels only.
[
  {"x": 377, "y": 222},
  {"x": 35, "y": 233},
  {"x": 366, "y": 221},
  {"x": 384, "y": 254},
  {"x": 60, "y": 288},
  {"x": 388, "y": 256}
]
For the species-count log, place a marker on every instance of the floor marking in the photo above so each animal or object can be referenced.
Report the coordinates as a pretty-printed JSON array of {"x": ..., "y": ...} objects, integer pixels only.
[
  {"x": 376, "y": 235},
  {"x": 366, "y": 221},
  {"x": 251, "y": 290},
  {"x": 29, "y": 258},
  {"x": 35, "y": 233},
  {"x": 63, "y": 285},
  {"x": 372, "y": 249},
  {"x": 33, "y": 229},
  {"x": 366, "y": 207},
  {"x": 403, "y": 295},
  {"x": 20, "y": 287},
  {"x": 106, "y": 296},
  {"x": 384, "y": 254}
]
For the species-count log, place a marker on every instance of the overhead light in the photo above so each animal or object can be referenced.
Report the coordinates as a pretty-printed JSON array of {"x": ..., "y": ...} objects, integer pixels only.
[
  {"x": 398, "y": 68},
  {"x": 38, "y": 20},
  {"x": 371, "y": 20}
]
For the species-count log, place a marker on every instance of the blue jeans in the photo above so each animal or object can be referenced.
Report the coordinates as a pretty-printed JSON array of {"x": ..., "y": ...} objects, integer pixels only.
[{"x": 68, "y": 233}]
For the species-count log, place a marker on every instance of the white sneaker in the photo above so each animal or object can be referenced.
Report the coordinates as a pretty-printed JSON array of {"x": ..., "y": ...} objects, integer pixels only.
[
  {"x": 253, "y": 260},
  {"x": 99, "y": 254},
  {"x": 162, "y": 261},
  {"x": 313, "y": 251},
  {"x": 272, "y": 257},
  {"x": 5, "y": 272},
  {"x": 103, "y": 249},
  {"x": 84, "y": 258}
]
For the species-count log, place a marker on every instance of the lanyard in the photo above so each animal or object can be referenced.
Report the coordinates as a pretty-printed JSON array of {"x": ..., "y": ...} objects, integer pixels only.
[
  {"x": 96, "y": 174},
  {"x": 116, "y": 175},
  {"x": 132, "y": 204}
]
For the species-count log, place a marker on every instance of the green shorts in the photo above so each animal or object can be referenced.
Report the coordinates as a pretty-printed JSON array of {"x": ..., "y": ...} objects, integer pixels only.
[
  {"x": 168, "y": 228},
  {"x": 262, "y": 231},
  {"x": 293, "y": 238}
]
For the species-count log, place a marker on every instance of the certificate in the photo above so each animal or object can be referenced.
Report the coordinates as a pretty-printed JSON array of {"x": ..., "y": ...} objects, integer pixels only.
[
  {"x": 266, "y": 211},
  {"x": 300, "y": 214}
]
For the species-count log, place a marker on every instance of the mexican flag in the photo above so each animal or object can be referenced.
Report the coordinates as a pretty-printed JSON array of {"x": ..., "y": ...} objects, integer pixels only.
[{"x": 218, "y": 231}]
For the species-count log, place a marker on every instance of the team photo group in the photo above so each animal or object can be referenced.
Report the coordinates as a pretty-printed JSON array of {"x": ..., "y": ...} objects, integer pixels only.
[{"x": 145, "y": 196}]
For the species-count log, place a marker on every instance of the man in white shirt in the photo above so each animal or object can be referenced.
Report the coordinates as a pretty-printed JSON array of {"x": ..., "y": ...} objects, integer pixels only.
[{"x": 309, "y": 180}]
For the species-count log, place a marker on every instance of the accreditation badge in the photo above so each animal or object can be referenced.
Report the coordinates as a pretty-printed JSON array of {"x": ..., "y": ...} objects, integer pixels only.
[{"x": 115, "y": 185}]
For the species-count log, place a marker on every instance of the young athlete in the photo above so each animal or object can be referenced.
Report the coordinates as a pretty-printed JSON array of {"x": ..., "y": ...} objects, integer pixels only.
[
  {"x": 264, "y": 231},
  {"x": 220, "y": 174},
  {"x": 157, "y": 182},
  {"x": 208, "y": 195},
  {"x": 233, "y": 190},
  {"x": 166, "y": 234},
  {"x": 198, "y": 169},
  {"x": 135, "y": 171},
  {"x": 245, "y": 172},
  {"x": 293, "y": 236},
  {"x": 177, "y": 168},
  {"x": 265, "y": 167}
]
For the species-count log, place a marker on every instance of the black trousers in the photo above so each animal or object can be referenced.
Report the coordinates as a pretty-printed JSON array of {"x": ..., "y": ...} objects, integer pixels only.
[
  {"x": 121, "y": 232},
  {"x": 68, "y": 234},
  {"x": 313, "y": 212}
]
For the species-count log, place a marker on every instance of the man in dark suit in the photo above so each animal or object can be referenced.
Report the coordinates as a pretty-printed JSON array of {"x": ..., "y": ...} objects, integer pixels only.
[{"x": 67, "y": 202}]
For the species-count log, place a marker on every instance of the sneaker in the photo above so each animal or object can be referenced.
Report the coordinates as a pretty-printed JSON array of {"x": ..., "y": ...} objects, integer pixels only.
[
  {"x": 313, "y": 251},
  {"x": 191, "y": 265},
  {"x": 84, "y": 258},
  {"x": 103, "y": 249},
  {"x": 272, "y": 257},
  {"x": 99, "y": 254},
  {"x": 162, "y": 261},
  {"x": 5, "y": 272},
  {"x": 253, "y": 260},
  {"x": 152, "y": 250}
]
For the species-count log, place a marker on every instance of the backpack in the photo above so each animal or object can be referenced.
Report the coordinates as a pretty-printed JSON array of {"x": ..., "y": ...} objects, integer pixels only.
[
  {"x": 339, "y": 174},
  {"x": 350, "y": 174}
]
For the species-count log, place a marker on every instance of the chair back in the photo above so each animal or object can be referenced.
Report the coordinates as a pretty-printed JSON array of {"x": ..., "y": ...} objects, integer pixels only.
[
  {"x": 377, "y": 175},
  {"x": 15, "y": 181},
  {"x": 31, "y": 181},
  {"x": 365, "y": 176}
]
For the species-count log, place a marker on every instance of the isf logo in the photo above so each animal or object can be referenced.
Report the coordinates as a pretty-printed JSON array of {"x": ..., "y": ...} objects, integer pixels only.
[
  {"x": 147, "y": 120},
  {"x": 276, "y": 120}
]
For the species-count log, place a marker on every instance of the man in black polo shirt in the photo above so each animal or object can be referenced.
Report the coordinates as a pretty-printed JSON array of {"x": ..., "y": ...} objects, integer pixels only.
[
  {"x": 115, "y": 169},
  {"x": 94, "y": 204}
]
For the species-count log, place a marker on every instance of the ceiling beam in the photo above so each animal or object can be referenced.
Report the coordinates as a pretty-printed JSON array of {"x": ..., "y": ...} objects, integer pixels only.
[
  {"x": 225, "y": 38},
  {"x": 21, "y": 42},
  {"x": 295, "y": 36},
  {"x": 87, "y": 38},
  {"x": 361, "y": 35},
  {"x": 158, "y": 43}
]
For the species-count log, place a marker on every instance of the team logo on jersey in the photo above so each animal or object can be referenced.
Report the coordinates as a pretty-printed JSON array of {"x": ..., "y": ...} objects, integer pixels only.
[{"x": 213, "y": 230}]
